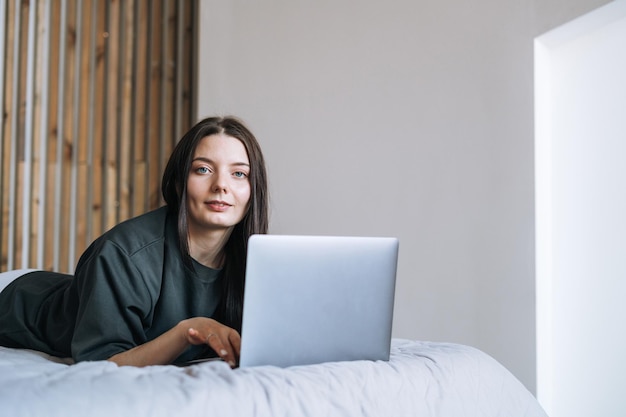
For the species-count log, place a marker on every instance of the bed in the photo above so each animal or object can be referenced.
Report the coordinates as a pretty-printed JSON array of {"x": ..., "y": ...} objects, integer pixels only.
[{"x": 420, "y": 379}]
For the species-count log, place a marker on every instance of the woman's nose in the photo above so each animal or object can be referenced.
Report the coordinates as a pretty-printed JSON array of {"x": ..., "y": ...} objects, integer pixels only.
[{"x": 219, "y": 184}]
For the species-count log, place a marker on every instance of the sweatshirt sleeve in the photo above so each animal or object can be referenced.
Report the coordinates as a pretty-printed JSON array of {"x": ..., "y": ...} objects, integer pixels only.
[{"x": 115, "y": 303}]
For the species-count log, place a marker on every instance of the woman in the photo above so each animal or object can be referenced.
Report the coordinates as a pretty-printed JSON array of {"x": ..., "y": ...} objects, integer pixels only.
[{"x": 162, "y": 287}]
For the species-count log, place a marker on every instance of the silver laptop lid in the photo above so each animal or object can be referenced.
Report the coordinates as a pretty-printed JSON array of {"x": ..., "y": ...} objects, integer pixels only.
[{"x": 313, "y": 299}]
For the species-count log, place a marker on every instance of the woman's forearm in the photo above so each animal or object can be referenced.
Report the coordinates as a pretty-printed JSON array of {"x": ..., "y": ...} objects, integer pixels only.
[{"x": 161, "y": 351}]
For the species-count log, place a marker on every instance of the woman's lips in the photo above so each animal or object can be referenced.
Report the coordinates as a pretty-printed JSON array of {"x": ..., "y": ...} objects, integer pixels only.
[{"x": 218, "y": 205}]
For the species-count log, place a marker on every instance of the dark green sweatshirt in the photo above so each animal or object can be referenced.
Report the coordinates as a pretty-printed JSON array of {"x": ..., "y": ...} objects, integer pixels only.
[{"x": 129, "y": 287}]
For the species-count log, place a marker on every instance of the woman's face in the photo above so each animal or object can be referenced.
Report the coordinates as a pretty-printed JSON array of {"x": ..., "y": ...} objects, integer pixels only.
[{"x": 218, "y": 185}]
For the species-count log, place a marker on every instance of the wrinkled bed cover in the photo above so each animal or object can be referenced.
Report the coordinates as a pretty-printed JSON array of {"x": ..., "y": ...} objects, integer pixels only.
[{"x": 421, "y": 379}]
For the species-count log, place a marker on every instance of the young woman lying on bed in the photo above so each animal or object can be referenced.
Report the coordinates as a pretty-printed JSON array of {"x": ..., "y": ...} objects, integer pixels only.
[{"x": 167, "y": 285}]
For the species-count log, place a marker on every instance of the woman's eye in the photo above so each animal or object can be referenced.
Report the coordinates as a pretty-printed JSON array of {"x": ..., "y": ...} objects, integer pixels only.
[
  {"x": 202, "y": 170},
  {"x": 240, "y": 174}
]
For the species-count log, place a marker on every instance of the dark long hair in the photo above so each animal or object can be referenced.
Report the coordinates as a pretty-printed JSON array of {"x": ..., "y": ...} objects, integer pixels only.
[{"x": 174, "y": 189}]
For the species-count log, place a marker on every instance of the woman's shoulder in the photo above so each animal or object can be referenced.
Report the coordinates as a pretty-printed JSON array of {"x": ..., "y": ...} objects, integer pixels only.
[{"x": 139, "y": 232}]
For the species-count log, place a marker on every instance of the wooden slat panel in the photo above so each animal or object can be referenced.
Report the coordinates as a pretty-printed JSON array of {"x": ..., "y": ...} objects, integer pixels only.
[
  {"x": 140, "y": 106},
  {"x": 75, "y": 40},
  {"x": 50, "y": 219},
  {"x": 67, "y": 139},
  {"x": 18, "y": 116},
  {"x": 188, "y": 46},
  {"x": 125, "y": 98},
  {"x": 82, "y": 127},
  {"x": 7, "y": 128},
  {"x": 38, "y": 112},
  {"x": 40, "y": 194},
  {"x": 169, "y": 81},
  {"x": 97, "y": 135},
  {"x": 111, "y": 124},
  {"x": 109, "y": 94},
  {"x": 154, "y": 145},
  {"x": 29, "y": 216}
]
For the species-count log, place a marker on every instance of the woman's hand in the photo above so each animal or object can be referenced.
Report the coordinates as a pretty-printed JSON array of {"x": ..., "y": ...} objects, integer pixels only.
[{"x": 224, "y": 340}]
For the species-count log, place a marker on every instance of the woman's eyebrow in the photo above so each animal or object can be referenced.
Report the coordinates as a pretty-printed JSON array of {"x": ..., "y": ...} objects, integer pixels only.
[{"x": 210, "y": 161}]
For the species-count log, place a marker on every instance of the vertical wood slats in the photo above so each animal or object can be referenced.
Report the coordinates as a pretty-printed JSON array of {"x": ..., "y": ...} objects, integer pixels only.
[
  {"x": 94, "y": 95},
  {"x": 45, "y": 42}
]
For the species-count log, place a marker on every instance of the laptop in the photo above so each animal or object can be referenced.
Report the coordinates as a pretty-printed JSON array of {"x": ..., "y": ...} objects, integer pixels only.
[{"x": 314, "y": 299}]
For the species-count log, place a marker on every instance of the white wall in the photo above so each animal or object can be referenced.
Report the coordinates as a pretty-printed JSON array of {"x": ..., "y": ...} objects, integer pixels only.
[
  {"x": 400, "y": 118},
  {"x": 581, "y": 227}
]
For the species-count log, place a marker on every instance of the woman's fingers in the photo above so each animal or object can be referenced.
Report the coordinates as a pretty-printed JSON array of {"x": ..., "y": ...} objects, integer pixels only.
[
  {"x": 222, "y": 347},
  {"x": 225, "y": 341},
  {"x": 235, "y": 342}
]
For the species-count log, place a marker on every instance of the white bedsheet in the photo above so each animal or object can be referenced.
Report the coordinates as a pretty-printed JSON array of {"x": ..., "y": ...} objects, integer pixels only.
[{"x": 421, "y": 379}]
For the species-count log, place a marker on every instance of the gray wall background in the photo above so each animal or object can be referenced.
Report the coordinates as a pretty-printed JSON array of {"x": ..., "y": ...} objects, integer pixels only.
[{"x": 400, "y": 118}]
